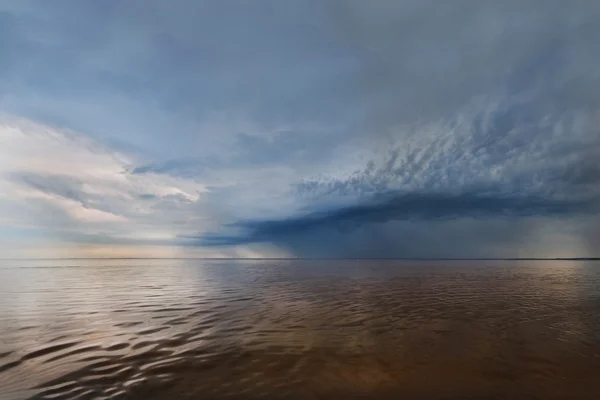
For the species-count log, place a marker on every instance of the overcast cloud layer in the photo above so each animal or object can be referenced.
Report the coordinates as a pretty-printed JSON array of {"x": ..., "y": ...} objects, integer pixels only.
[{"x": 300, "y": 128}]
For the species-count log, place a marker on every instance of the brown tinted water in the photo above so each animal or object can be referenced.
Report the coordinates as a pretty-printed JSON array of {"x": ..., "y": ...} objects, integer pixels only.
[{"x": 197, "y": 329}]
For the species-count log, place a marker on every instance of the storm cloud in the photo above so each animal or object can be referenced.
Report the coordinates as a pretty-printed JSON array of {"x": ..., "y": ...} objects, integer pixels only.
[{"x": 303, "y": 128}]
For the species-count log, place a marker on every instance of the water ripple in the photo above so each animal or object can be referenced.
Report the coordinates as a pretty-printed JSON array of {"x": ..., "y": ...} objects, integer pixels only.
[{"x": 303, "y": 330}]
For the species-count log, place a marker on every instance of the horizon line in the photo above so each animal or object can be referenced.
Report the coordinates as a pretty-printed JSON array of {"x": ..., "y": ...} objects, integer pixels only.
[{"x": 318, "y": 258}]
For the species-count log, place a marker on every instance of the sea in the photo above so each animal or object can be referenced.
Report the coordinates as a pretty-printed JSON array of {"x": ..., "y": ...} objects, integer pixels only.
[{"x": 299, "y": 329}]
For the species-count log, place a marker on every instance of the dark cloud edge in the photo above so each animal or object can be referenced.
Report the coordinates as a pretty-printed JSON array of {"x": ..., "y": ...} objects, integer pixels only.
[{"x": 397, "y": 207}]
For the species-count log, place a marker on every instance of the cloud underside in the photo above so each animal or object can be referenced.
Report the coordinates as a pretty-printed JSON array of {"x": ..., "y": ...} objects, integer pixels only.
[{"x": 408, "y": 207}]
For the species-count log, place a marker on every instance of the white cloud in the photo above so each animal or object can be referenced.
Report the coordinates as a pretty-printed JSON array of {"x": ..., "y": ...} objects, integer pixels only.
[{"x": 60, "y": 180}]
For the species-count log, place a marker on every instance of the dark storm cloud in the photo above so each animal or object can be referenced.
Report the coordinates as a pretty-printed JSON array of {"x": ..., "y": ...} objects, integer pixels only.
[
  {"x": 393, "y": 207},
  {"x": 507, "y": 149}
]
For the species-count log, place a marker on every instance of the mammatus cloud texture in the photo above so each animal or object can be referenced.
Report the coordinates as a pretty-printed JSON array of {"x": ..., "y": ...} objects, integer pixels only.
[{"x": 300, "y": 128}]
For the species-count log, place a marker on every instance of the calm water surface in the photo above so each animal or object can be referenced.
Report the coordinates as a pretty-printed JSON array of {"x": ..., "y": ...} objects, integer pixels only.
[{"x": 197, "y": 329}]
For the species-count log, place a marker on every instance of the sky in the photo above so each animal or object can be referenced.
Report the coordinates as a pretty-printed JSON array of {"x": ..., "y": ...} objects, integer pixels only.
[{"x": 312, "y": 128}]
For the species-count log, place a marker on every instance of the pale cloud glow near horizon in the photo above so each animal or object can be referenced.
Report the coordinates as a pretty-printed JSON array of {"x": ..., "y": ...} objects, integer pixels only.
[{"x": 299, "y": 129}]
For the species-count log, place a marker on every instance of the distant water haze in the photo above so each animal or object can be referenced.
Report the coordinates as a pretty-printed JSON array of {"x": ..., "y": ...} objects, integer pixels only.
[{"x": 299, "y": 329}]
